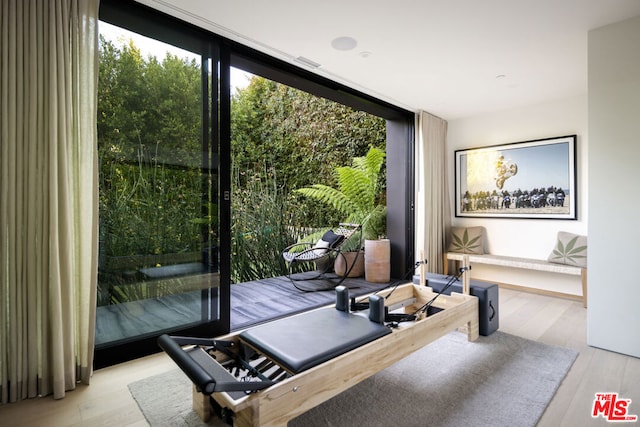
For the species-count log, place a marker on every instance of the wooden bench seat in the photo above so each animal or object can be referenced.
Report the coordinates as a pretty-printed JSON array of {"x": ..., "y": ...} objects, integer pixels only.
[{"x": 522, "y": 263}]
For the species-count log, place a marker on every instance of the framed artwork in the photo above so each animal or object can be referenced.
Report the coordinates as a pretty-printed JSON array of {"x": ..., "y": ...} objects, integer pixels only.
[{"x": 530, "y": 179}]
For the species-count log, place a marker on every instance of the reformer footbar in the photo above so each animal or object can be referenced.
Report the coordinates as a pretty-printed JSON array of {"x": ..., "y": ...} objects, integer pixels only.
[{"x": 207, "y": 375}]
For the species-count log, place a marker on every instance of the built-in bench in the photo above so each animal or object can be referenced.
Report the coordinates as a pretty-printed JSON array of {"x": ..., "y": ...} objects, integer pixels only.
[
  {"x": 522, "y": 263},
  {"x": 176, "y": 270}
]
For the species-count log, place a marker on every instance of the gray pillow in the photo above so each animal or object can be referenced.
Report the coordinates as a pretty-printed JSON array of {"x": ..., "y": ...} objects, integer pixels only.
[
  {"x": 570, "y": 249},
  {"x": 467, "y": 240}
]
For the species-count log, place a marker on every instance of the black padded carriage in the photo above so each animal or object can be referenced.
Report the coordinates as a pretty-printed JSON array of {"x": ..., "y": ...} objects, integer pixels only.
[{"x": 301, "y": 342}]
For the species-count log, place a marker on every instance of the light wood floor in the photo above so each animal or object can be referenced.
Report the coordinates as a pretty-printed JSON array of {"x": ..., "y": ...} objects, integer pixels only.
[{"x": 107, "y": 402}]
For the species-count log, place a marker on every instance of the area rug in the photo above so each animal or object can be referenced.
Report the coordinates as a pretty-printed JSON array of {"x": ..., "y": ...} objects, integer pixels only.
[{"x": 499, "y": 380}]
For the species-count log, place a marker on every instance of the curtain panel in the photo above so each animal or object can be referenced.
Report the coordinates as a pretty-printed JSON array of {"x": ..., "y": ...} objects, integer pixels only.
[
  {"x": 433, "y": 213},
  {"x": 48, "y": 195}
]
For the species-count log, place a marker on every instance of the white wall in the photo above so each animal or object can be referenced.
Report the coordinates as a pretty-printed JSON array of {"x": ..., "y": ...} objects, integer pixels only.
[
  {"x": 525, "y": 237},
  {"x": 613, "y": 317}
]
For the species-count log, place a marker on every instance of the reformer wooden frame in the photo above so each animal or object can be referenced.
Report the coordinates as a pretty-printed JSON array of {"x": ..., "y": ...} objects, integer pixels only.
[{"x": 276, "y": 405}]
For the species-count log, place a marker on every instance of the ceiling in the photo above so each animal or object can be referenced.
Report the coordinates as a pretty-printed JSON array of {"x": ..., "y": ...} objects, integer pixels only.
[{"x": 452, "y": 58}]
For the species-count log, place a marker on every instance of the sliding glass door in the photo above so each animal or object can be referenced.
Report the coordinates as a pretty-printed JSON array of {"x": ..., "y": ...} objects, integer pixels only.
[
  {"x": 160, "y": 213},
  {"x": 167, "y": 240}
]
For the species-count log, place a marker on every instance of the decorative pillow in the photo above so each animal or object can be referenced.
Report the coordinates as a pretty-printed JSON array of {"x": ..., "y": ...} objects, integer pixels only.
[
  {"x": 332, "y": 238},
  {"x": 570, "y": 249},
  {"x": 328, "y": 240},
  {"x": 467, "y": 240}
]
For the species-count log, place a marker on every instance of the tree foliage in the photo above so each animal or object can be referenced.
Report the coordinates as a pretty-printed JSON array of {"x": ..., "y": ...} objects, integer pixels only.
[
  {"x": 149, "y": 126},
  {"x": 304, "y": 137}
]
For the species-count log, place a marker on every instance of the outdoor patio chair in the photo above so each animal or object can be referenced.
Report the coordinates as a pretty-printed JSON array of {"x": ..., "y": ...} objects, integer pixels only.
[{"x": 321, "y": 255}]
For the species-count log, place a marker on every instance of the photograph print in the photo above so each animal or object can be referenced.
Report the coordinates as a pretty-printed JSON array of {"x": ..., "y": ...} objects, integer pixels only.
[{"x": 531, "y": 179}]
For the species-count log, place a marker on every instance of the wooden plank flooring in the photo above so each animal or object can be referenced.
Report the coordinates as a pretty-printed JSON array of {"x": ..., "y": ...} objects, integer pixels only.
[{"x": 107, "y": 402}]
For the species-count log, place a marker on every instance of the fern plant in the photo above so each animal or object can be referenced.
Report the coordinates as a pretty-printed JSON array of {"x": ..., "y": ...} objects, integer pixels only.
[{"x": 357, "y": 195}]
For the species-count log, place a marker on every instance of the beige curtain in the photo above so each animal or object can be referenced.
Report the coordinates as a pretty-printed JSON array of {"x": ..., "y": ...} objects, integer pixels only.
[
  {"x": 48, "y": 195},
  {"x": 433, "y": 213}
]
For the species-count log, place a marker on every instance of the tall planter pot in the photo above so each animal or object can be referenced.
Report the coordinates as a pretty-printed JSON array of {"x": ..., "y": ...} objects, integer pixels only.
[{"x": 377, "y": 260}]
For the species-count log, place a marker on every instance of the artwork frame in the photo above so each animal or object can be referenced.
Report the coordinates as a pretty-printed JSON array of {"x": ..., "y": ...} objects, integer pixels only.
[{"x": 533, "y": 179}]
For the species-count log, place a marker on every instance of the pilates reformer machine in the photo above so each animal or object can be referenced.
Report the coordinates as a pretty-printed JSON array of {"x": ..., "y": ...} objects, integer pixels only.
[{"x": 269, "y": 374}]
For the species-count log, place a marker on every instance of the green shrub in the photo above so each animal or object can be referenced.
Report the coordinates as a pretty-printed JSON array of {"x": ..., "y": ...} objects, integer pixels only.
[{"x": 260, "y": 227}]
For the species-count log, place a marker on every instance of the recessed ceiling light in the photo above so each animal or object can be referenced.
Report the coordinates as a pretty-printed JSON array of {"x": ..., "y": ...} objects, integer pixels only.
[
  {"x": 344, "y": 43},
  {"x": 365, "y": 54},
  {"x": 501, "y": 76}
]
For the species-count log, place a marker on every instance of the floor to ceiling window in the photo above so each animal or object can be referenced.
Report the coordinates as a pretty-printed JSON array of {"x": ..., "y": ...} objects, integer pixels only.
[
  {"x": 178, "y": 144},
  {"x": 159, "y": 269}
]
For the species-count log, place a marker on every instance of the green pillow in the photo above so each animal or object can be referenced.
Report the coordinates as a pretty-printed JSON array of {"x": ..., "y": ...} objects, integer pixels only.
[
  {"x": 570, "y": 249},
  {"x": 467, "y": 240}
]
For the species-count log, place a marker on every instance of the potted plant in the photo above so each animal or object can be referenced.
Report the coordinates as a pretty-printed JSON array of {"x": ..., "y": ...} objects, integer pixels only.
[{"x": 357, "y": 197}]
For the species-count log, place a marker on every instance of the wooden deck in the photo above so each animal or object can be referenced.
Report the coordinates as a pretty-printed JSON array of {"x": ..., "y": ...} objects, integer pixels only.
[
  {"x": 251, "y": 303},
  {"x": 269, "y": 299}
]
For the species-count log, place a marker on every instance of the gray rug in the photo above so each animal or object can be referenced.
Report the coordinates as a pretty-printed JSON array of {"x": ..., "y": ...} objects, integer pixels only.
[{"x": 499, "y": 380}]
